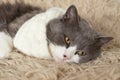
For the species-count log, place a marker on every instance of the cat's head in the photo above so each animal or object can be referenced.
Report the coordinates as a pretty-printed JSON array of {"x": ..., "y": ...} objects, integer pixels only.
[{"x": 71, "y": 38}]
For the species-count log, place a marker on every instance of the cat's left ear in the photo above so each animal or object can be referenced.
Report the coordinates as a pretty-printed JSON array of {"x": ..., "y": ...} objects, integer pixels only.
[
  {"x": 103, "y": 40},
  {"x": 71, "y": 15}
]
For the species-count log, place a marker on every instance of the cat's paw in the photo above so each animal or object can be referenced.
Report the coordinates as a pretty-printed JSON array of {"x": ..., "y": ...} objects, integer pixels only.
[
  {"x": 5, "y": 44},
  {"x": 4, "y": 54}
]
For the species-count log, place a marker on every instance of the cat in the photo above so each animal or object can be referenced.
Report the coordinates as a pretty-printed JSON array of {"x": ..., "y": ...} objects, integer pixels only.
[{"x": 55, "y": 33}]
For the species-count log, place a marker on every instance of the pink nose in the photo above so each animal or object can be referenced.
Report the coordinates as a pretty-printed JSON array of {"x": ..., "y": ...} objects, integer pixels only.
[{"x": 65, "y": 57}]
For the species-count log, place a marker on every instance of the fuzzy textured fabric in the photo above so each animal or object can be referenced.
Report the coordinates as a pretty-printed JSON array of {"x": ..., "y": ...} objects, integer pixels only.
[{"x": 104, "y": 15}]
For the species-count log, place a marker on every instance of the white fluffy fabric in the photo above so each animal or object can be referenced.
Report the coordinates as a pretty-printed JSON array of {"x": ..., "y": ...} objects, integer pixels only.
[{"x": 31, "y": 37}]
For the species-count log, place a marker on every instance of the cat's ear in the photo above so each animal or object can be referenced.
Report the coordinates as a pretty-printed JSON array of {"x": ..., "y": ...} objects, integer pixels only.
[
  {"x": 71, "y": 15},
  {"x": 103, "y": 40}
]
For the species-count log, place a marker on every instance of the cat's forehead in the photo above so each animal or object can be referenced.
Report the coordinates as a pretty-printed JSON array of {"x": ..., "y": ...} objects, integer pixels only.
[
  {"x": 80, "y": 31},
  {"x": 58, "y": 21},
  {"x": 67, "y": 28}
]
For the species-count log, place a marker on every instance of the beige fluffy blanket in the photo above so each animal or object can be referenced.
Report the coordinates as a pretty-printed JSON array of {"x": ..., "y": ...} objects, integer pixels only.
[{"x": 104, "y": 15}]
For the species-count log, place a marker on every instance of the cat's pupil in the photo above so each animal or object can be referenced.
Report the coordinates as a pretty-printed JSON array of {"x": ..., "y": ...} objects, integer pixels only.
[
  {"x": 82, "y": 53},
  {"x": 76, "y": 53}
]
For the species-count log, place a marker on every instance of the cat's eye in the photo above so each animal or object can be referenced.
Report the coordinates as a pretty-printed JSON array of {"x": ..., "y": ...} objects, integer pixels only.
[
  {"x": 81, "y": 53},
  {"x": 67, "y": 40}
]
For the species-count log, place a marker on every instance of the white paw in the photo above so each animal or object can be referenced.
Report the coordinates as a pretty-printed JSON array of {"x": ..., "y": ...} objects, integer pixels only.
[{"x": 5, "y": 44}]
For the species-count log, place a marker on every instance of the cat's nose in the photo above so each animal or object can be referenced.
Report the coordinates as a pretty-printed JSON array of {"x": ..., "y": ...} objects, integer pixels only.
[{"x": 65, "y": 57}]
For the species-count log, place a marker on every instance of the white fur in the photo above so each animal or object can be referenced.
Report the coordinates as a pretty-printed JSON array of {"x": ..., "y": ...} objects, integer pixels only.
[
  {"x": 6, "y": 44},
  {"x": 31, "y": 37},
  {"x": 75, "y": 58},
  {"x": 59, "y": 51}
]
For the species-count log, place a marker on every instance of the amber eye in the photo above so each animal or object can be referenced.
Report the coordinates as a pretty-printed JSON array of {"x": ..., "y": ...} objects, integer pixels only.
[
  {"x": 67, "y": 40},
  {"x": 81, "y": 53}
]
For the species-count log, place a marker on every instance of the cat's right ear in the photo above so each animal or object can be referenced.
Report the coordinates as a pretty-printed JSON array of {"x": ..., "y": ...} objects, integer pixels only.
[
  {"x": 71, "y": 15},
  {"x": 103, "y": 40}
]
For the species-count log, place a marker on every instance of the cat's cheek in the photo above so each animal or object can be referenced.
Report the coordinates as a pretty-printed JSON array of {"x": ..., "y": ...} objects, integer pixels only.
[
  {"x": 57, "y": 52},
  {"x": 76, "y": 58}
]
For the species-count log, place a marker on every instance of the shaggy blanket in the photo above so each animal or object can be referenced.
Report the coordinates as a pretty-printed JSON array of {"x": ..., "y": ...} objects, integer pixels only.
[
  {"x": 20, "y": 67},
  {"x": 104, "y": 15}
]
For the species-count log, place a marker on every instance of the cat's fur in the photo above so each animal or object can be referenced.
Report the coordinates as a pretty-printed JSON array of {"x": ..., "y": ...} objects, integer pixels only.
[
  {"x": 17, "y": 23},
  {"x": 11, "y": 20},
  {"x": 34, "y": 43},
  {"x": 11, "y": 15},
  {"x": 48, "y": 31}
]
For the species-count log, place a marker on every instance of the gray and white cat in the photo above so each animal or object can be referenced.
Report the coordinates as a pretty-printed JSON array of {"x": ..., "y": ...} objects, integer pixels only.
[{"x": 56, "y": 33}]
